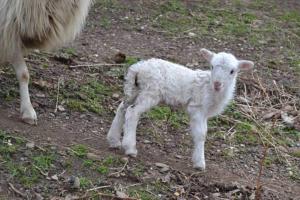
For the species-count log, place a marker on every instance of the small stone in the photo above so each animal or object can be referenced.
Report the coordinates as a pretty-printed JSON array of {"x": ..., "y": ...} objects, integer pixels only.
[
  {"x": 191, "y": 34},
  {"x": 164, "y": 167},
  {"x": 121, "y": 195},
  {"x": 30, "y": 145},
  {"x": 216, "y": 194},
  {"x": 92, "y": 156},
  {"x": 40, "y": 95},
  {"x": 161, "y": 165},
  {"x": 38, "y": 196},
  {"x": 61, "y": 108},
  {"x": 147, "y": 142},
  {"x": 74, "y": 182},
  {"x": 54, "y": 177},
  {"x": 116, "y": 96}
]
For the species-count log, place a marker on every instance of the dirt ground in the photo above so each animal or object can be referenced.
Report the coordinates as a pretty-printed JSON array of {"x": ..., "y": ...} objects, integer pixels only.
[{"x": 254, "y": 133}]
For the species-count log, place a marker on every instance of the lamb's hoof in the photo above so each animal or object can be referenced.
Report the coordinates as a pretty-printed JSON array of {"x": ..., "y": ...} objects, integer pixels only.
[
  {"x": 113, "y": 142},
  {"x": 29, "y": 116},
  {"x": 115, "y": 145},
  {"x": 199, "y": 166},
  {"x": 131, "y": 152}
]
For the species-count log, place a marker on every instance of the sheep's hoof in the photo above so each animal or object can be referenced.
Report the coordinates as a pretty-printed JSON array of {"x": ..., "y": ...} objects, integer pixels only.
[
  {"x": 30, "y": 121},
  {"x": 115, "y": 145},
  {"x": 29, "y": 116},
  {"x": 199, "y": 168},
  {"x": 132, "y": 153}
]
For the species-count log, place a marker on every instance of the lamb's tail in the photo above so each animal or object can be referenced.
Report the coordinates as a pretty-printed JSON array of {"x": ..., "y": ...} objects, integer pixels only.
[{"x": 131, "y": 86}]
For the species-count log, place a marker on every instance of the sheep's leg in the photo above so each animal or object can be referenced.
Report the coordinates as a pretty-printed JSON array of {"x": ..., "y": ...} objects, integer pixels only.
[
  {"x": 28, "y": 114},
  {"x": 143, "y": 103},
  {"x": 199, "y": 129},
  {"x": 114, "y": 133}
]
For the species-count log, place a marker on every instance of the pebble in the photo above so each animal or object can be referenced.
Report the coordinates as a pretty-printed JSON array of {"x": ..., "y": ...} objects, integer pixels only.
[
  {"x": 74, "y": 182},
  {"x": 30, "y": 145},
  {"x": 92, "y": 156},
  {"x": 164, "y": 167}
]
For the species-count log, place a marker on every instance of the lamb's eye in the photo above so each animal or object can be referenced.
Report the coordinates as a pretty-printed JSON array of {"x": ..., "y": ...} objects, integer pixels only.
[{"x": 232, "y": 71}]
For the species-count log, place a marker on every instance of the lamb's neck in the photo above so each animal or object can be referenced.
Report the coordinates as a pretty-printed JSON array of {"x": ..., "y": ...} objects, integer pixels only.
[{"x": 217, "y": 101}]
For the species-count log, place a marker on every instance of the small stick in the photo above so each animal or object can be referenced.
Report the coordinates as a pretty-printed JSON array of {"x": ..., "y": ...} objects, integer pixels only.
[
  {"x": 17, "y": 191},
  {"x": 41, "y": 171},
  {"x": 121, "y": 170},
  {"x": 258, "y": 181},
  {"x": 57, "y": 95},
  {"x": 95, "y": 65},
  {"x": 97, "y": 188},
  {"x": 105, "y": 195}
]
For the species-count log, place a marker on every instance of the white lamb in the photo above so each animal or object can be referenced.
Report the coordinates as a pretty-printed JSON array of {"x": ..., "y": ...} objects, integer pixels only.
[
  {"x": 204, "y": 94},
  {"x": 36, "y": 24}
]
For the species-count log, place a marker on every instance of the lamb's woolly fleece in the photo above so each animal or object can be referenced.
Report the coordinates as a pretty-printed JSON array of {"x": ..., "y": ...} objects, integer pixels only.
[{"x": 176, "y": 85}]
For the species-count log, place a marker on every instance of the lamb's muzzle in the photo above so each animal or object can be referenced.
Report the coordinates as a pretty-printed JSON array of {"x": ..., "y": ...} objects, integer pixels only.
[{"x": 203, "y": 94}]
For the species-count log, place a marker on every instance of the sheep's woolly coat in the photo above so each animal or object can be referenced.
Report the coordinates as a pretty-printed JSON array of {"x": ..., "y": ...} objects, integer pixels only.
[
  {"x": 176, "y": 85},
  {"x": 40, "y": 24}
]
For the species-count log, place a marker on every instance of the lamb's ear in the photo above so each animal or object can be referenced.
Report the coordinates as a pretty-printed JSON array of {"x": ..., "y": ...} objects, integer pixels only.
[
  {"x": 245, "y": 65},
  {"x": 208, "y": 55}
]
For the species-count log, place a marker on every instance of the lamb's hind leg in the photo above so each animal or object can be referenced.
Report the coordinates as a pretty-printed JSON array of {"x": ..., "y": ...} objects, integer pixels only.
[
  {"x": 114, "y": 133},
  {"x": 28, "y": 114},
  {"x": 143, "y": 103}
]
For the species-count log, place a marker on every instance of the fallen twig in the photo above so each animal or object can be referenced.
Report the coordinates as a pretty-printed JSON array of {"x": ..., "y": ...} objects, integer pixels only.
[
  {"x": 105, "y": 196},
  {"x": 57, "y": 95},
  {"x": 95, "y": 65},
  {"x": 98, "y": 188},
  {"x": 258, "y": 181},
  {"x": 41, "y": 171},
  {"x": 17, "y": 191},
  {"x": 121, "y": 170}
]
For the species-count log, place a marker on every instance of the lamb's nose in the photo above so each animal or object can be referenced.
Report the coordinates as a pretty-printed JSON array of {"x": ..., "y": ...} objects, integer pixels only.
[{"x": 217, "y": 85}]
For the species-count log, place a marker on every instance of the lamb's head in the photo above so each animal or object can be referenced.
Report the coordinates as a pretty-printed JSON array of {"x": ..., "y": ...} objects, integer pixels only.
[{"x": 224, "y": 68}]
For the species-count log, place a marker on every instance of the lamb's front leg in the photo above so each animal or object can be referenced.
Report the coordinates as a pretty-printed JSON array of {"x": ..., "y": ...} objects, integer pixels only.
[
  {"x": 28, "y": 114},
  {"x": 199, "y": 129}
]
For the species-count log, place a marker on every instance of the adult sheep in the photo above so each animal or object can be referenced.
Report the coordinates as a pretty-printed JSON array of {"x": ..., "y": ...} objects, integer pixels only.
[{"x": 36, "y": 24}]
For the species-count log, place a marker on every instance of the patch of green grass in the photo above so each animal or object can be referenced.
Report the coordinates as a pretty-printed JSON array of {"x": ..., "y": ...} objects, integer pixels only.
[
  {"x": 142, "y": 192},
  {"x": 80, "y": 150},
  {"x": 164, "y": 113},
  {"x": 86, "y": 97},
  {"x": 294, "y": 173},
  {"x": 246, "y": 138},
  {"x": 27, "y": 175},
  {"x": 291, "y": 16},
  {"x": 112, "y": 161},
  {"x": 296, "y": 153},
  {"x": 108, "y": 4},
  {"x": 105, "y": 22},
  {"x": 44, "y": 162},
  {"x": 103, "y": 169},
  {"x": 268, "y": 161},
  {"x": 138, "y": 170},
  {"x": 88, "y": 163},
  {"x": 84, "y": 182},
  {"x": 176, "y": 6},
  {"x": 131, "y": 60},
  {"x": 9, "y": 144},
  {"x": 70, "y": 51}
]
